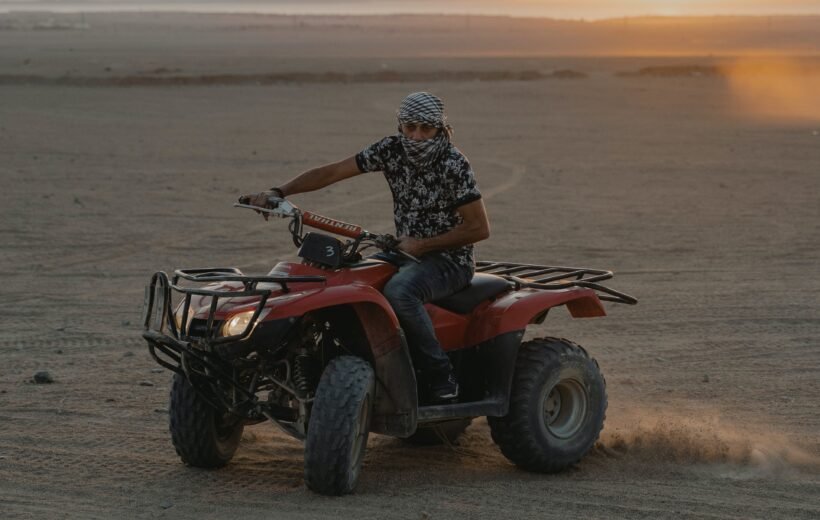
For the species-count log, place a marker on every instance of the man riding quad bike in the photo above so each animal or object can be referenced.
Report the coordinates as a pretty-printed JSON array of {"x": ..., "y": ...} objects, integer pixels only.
[
  {"x": 413, "y": 342},
  {"x": 439, "y": 214},
  {"x": 317, "y": 349}
]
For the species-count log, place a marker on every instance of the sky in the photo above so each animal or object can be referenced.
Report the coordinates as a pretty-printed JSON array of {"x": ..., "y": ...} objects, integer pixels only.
[{"x": 568, "y": 9}]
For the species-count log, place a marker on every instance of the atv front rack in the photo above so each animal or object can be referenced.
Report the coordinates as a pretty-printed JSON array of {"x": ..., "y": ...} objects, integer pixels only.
[
  {"x": 193, "y": 356},
  {"x": 158, "y": 311},
  {"x": 554, "y": 278}
]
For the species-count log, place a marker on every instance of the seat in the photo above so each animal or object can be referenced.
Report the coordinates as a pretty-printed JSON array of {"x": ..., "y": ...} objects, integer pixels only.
[{"x": 482, "y": 287}]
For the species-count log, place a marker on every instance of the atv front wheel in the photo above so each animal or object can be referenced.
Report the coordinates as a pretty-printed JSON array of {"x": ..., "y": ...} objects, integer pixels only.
[
  {"x": 339, "y": 426},
  {"x": 203, "y": 437},
  {"x": 557, "y": 407}
]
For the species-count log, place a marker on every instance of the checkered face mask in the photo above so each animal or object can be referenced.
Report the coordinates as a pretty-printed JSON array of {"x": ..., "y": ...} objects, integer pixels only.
[{"x": 424, "y": 108}]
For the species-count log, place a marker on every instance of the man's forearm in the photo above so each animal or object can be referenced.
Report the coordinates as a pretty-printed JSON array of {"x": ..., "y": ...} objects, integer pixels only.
[
  {"x": 318, "y": 178},
  {"x": 461, "y": 235},
  {"x": 311, "y": 180}
]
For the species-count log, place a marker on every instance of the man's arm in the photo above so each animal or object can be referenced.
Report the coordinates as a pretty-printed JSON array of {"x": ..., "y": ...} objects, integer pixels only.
[
  {"x": 311, "y": 180},
  {"x": 320, "y": 177},
  {"x": 473, "y": 228}
]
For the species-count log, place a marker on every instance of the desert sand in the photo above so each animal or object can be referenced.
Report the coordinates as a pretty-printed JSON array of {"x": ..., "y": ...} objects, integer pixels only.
[{"x": 697, "y": 185}]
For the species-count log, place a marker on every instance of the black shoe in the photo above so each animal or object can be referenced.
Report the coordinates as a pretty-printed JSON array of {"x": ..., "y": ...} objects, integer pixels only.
[{"x": 444, "y": 387}]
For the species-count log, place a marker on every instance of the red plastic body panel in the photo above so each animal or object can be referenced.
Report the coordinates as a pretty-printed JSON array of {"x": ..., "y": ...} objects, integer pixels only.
[
  {"x": 374, "y": 275},
  {"x": 298, "y": 304},
  {"x": 450, "y": 327},
  {"x": 345, "y": 286},
  {"x": 516, "y": 309},
  {"x": 361, "y": 287}
]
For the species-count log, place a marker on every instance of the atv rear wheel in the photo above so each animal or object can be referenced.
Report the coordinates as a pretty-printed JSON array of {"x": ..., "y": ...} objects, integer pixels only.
[
  {"x": 557, "y": 407},
  {"x": 339, "y": 426},
  {"x": 438, "y": 433},
  {"x": 203, "y": 437}
]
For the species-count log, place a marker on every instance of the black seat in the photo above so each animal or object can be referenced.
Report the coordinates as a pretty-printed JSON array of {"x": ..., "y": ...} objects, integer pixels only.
[{"x": 481, "y": 288}]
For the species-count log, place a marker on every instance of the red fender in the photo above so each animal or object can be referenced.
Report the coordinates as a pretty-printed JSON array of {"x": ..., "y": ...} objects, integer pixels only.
[
  {"x": 374, "y": 312},
  {"x": 299, "y": 304},
  {"x": 450, "y": 327},
  {"x": 396, "y": 400},
  {"x": 514, "y": 311}
]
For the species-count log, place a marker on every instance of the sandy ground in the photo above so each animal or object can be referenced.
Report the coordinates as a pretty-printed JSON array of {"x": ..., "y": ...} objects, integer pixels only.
[{"x": 708, "y": 215}]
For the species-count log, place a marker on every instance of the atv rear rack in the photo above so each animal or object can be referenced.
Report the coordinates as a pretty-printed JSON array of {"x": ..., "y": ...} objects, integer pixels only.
[
  {"x": 553, "y": 278},
  {"x": 158, "y": 312}
]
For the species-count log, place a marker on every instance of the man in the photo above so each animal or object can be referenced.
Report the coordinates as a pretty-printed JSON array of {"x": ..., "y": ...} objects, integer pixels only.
[{"x": 438, "y": 214}]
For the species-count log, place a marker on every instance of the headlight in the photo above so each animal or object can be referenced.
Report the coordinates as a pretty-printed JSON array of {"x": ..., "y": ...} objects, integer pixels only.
[
  {"x": 237, "y": 323},
  {"x": 178, "y": 318}
]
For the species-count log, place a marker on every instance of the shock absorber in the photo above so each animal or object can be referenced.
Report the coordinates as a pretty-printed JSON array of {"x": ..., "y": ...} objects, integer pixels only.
[{"x": 305, "y": 374}]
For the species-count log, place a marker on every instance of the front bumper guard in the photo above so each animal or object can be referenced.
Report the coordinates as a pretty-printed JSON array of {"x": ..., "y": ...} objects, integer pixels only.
[
  {"x": 201, "y": 359},
  {"x": 158, "y": 305}
]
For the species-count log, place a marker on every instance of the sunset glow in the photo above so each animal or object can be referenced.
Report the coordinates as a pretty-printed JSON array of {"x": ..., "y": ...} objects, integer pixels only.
[
  {"x": 779, "y": 89},
  {"x": 565, "y": 9}
]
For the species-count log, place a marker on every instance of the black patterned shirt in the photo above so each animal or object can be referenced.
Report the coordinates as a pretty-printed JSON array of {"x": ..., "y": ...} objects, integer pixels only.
[{"x": 424, "y": 202}]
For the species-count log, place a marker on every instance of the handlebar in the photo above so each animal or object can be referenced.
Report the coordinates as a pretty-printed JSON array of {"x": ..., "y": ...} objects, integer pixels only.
[
  {"x": 285, "y": 209},
  {"x": 390, "y": 244}
]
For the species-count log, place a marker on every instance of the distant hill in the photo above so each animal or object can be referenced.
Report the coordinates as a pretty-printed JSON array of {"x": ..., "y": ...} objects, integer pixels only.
[{"x": 457, "y": 35}]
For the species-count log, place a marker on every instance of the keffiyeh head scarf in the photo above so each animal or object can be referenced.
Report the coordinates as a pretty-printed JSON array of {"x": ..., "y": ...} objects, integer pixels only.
[{"x": 424, "y": 108}]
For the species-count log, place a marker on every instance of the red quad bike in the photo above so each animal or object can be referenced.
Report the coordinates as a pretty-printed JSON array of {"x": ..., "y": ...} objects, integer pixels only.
[{"x": 316, "y": 348}]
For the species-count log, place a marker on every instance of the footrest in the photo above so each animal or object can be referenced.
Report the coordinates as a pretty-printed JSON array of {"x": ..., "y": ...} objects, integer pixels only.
[{"x": 491, "y": 407}]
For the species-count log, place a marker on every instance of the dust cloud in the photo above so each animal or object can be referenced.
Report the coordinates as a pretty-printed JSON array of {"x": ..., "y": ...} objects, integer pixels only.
[
  {"x": 775, "y": 89},
  {"x": 652, "y": 437}
]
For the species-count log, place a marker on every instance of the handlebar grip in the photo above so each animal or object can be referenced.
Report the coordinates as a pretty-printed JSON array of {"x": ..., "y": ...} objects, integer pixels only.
[{"x": 389, "y": 244}]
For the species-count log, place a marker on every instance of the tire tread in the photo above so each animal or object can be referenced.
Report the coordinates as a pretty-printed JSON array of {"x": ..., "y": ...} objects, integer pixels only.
[
  {"x": 515, "y": 433},
  {"x": 343, "y": 385},
  {"x": 191, "y": 422}
]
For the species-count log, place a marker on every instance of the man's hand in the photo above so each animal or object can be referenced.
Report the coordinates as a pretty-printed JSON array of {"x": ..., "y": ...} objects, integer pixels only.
[
  {"x": 412, "y": 246},
  {"x": 259, "y": 199}
]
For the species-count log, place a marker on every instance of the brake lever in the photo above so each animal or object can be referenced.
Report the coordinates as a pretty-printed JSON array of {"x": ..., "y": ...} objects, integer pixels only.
[
  {"x": 277, "y": 206},
  {"x": 255, "y": 208}
]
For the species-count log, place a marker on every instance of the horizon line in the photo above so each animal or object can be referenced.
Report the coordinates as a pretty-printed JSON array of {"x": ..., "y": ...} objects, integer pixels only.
[{"x": 330, "y": 13}]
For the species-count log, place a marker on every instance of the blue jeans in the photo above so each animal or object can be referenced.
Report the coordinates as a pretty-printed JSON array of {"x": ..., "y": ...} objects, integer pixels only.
[{"x": 414, "y": 285}]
